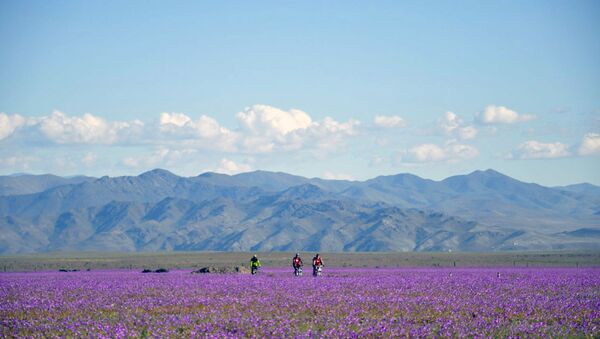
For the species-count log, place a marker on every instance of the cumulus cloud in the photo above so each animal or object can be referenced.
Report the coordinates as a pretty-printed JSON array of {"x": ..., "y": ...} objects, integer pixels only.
[
  {"x": 590, "y": 144},
  {"x": 501, "y": 115},
  {"x": 87, "y": 129},
  {"x": 206, "y": 132},
  {"x": 181, "y": 124},
  {"x": 174, "y": 119},
  {"x": 391, "y": 121},
  {"x": 450, "y": 152},
  {"x": 261, "y": 129},
  {"x": 228, "y": 166},
  {"x": 454, "y": 126},
  {"x": 9, "y": 124},
  {"x": 329, "y": 134},
  {"x": 427, "y": 153},
  {"x": 61, "y": 128},
  {"x": 265, "y": 129},
  {"x": 538, "y": 150},
  {"x": 532, "y": 149},
  {"x": 266, "y": 119}
]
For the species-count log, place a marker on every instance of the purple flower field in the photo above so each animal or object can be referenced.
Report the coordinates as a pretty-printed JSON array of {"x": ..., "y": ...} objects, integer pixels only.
[{"x": 342, "y": 303}]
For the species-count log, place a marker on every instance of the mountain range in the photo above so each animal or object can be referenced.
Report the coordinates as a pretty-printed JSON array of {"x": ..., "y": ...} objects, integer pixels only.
[{"x": 268, "y": 211}]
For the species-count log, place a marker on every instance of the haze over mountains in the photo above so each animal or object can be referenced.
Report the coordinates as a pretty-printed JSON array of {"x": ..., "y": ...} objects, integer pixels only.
[{"x": 266, "y": 211}]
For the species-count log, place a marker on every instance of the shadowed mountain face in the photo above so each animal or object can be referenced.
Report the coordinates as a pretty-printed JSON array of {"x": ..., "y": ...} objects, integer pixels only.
[{"x": 265, "y": 211}]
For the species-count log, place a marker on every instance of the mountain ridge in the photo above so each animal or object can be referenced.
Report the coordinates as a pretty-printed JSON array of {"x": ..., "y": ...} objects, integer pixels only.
[{"x": 261, "y": 210}]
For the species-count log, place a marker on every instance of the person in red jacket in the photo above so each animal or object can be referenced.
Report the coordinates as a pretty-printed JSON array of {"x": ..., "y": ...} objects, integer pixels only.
[
  {"x": 297, "y": 264},
  {"x": 317, "y": 265}
]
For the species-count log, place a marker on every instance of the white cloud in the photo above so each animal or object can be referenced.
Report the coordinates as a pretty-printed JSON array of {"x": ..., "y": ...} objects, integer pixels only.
[
  {"x": 265, "y": 129},
  {"x": 329, "y": 126},
  {"x": 176, "y": 119},
  {"x": 337, "y": 176},
  {"x": 180, "y": 124},
  {"x": 261, "y": 129},
  {"x": 461, "y": 152},
  {"x": 532, "y": 149},
  {"x": 501, "y": 115},
  {"x": 228, "y": 166},
  {"x": 264, "y": 119},
  {"x": 88, "y": 129},
  {"x": 454, "y": 126},
  {"x": 392, "y": 121},
  {"x": 451, "y": 122},
  {"x": 61, "y": 128},
  {"x": 590, "y": 144},
  {"x": 451, "y": 152},
  {"x": 9, "y": 124},
  {"x": 538, "y": 150},
  {"x": 257, "y": 144},
  {"x": 427, "y": 153},
  {"x": 206, "y": 132},
  {"x": 329, "y": 134}
]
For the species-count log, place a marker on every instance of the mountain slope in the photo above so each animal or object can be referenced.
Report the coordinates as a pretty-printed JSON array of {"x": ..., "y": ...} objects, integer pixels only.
[
  {"x": 158, "y": 210},
  {"x": 287, "y": 225},
  {"x": 489, "y": 197}
]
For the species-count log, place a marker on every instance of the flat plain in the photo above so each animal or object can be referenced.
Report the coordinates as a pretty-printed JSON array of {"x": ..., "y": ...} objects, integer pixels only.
[
  {"x": 343, "y": 303},
  {"x": 185, "y": 260},
  {"x": 373, "y": 295}
]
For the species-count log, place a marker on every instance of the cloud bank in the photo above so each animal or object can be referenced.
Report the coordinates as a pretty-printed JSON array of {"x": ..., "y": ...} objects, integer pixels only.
[
  {"x": 261, "y": 132},
  {"x": 60, "y": 128},
  {"x": 261, "y": 129}
]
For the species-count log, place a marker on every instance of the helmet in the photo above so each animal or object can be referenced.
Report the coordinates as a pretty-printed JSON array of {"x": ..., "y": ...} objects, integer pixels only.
[
  {"x": 297, "y": 254},
  {"x": 254, "y": 256}
]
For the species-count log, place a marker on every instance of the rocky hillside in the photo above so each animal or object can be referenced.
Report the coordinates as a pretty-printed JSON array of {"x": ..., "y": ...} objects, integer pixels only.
[{"x": 265, "y": 211}]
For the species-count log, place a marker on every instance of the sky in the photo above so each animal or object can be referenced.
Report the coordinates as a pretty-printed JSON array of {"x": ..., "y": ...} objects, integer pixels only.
[{"x": 335, "y": 89}]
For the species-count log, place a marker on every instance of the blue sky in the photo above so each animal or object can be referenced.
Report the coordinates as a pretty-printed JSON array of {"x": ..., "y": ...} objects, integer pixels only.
[{"x": 325, "y": 89}]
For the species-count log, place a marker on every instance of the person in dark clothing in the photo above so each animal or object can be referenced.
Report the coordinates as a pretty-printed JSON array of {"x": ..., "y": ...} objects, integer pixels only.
[{"x": 297, "y": 265}]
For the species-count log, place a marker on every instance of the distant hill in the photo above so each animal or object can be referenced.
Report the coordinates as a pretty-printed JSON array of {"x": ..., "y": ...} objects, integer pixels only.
[
  {"x": 266, "y": 211},
  {"x": 28, "y": 183},
  {"x": 580, "y": 188}
]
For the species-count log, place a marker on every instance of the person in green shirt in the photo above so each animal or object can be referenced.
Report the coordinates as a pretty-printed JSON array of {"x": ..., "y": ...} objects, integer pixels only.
[{"x": 254, "y": 264}]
